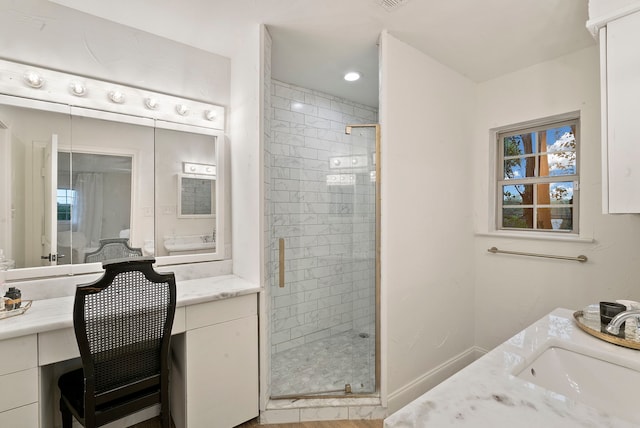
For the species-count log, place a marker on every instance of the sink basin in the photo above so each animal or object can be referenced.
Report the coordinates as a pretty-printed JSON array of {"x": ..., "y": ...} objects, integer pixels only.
[
  {"x": 189, "y": 243},
  {"x": 600, "y": 384}
]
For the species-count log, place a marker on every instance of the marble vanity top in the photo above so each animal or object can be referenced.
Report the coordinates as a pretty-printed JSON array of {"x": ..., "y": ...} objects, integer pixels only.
[
  {"x": 487, "y": 394},
  {"x": 56, "y": 313}
]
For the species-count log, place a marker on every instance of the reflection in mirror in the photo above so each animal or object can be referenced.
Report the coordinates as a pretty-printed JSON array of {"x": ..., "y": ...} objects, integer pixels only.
[
  {"x": 29, "y": 143},
  {"x": 197, "y": 196},
  {"x": 186, "y": 219},
  {"x": 111, "y": 190},
  {"x": 94, "y": 202}
]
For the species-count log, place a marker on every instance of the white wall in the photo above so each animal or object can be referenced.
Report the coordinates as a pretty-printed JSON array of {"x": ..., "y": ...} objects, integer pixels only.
[
  {"x": 511, "y": 291},
  {"x": 426, "y": 118},
  {"x": 246, "y": 133}
]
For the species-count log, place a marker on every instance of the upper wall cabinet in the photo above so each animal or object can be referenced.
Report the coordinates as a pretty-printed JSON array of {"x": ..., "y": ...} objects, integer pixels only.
[{"x": 620, "y": 84}]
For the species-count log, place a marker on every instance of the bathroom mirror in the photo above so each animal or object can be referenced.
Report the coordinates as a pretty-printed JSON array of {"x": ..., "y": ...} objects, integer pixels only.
[
  {"x": 73, "y": 182},
  {"x": 76, "y": 181},
  {"x": 90, "y": 167}
]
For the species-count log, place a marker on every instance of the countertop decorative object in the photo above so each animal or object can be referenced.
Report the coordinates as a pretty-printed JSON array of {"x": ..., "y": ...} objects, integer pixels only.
[
  {"x": 598, "y": 332},
  {"x": 490, "y": 394},
  {"x": 26, "y": 304}
]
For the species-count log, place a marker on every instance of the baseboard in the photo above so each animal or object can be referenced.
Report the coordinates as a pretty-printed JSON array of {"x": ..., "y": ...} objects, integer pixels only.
[{"x": 409, "y": 392}]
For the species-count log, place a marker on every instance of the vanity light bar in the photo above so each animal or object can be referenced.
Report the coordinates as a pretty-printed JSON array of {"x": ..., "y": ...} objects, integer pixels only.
[
  {"x": 355, "y": 161},
  {"x": 53, "y": 86},
  {"x": 198, "y": 168}
]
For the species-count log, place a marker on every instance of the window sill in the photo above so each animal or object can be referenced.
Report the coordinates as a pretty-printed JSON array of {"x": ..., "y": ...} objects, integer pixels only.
[{"x": 536, "y": 236}]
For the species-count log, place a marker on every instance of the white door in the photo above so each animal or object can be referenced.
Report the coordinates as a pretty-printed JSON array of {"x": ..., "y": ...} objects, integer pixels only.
[{"x": 50, "y": 176}]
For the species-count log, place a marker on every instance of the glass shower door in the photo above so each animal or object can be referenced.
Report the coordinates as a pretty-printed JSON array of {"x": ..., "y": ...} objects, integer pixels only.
[{"x": 324, "y": 291}]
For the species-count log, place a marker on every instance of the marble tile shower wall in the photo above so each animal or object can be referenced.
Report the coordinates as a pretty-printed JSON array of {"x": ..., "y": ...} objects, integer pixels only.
[{"x": 328, "y": 229}]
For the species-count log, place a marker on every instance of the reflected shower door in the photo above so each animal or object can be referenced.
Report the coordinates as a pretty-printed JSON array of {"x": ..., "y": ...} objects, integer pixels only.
[{"x": 325, "y": 281}]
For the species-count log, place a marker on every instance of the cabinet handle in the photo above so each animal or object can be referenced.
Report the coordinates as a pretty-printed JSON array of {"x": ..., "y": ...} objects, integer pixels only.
[{"x": 281, "y": 262}]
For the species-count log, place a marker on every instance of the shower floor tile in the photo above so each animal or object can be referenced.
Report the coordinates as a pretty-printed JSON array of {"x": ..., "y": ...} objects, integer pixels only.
[{"x": 325, "y": 366}]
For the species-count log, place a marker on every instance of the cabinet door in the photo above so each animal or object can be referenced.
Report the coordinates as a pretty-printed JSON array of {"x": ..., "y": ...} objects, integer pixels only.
[
  {"x": 623, "y": 112},
  {"x": 21, "y": 417},
  {"x": 222, "y": 374}
]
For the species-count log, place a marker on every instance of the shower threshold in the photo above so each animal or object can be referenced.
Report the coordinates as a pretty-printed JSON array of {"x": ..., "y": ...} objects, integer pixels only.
[
  {"x": 338, "y": 393},
  {"x": 317, "y": 394}
]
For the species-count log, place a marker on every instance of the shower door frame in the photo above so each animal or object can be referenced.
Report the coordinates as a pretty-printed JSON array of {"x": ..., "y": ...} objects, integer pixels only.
[
  {"x": 377, "y": 273},
  {"x": 377, "y": 277}
]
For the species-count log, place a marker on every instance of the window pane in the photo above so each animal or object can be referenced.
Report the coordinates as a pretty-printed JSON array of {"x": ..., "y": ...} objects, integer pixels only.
[
  {"x": 65, "y": 199},
  {"x": 519, "y": 168},
  {"x": 517, "y": 195},
  {"x": 557, "y": 218},
  {"x": 515, "y": 217},
  {"x": 518, "y": 145},
  {"x": 557, "y": 164},
  {"x": 558, "y": 139},
  {"x": 555, "y": 193}
]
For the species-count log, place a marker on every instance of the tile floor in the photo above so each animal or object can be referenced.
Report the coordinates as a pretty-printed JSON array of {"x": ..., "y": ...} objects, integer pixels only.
[{"x": 325, "y": 366}]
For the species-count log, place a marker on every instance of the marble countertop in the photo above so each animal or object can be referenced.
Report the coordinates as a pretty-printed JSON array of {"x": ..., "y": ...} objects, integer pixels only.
[
  {"x": 53, "y": 314},
  {"x": 487, "y": 394}
]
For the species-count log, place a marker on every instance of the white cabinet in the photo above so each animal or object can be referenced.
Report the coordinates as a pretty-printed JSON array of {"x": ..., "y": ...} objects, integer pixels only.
[
  {"x": 19, "y": 382},
  {"x": 215, "y": 372},
  {"x": 620, "y": 74}
]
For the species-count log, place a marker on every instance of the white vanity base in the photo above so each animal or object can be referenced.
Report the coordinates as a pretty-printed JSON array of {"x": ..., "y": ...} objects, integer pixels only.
[{"x": 214, "y": 349}]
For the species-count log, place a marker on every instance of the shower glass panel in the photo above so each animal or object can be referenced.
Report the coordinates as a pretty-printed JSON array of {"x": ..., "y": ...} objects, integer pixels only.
[{"x": 324, "y": 226}]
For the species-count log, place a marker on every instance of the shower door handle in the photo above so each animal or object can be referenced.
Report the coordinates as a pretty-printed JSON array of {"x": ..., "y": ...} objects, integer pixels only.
[{"x": 281, "y": 262}]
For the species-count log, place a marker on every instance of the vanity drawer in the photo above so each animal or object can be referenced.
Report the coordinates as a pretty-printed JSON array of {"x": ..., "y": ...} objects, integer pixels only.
[
  {"x": 19, "y": 353},
  {"x": 219, "y": 311},
  {"x": 18, "y": 389},
  {"x": 21, "y": 417},
  {"x": 57, "y": 345}
]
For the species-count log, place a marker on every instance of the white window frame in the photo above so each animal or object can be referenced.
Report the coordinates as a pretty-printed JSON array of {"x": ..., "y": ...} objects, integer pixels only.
[{"x": 499, "y": 181}]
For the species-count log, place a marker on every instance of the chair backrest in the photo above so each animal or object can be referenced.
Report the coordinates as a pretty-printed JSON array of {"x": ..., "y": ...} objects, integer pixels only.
[
  {"x": 112, "y": 248},
  {"x": 123, "y": 324}
]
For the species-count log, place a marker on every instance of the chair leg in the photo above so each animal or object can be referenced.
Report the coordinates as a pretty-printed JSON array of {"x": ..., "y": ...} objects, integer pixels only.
[
  {"x": 165, "y": 416},
  {"x": 67, "y": 418}
]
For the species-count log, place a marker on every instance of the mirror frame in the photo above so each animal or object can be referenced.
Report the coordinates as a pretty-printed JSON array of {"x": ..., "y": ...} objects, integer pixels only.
[{"x": 142, "y": 107}]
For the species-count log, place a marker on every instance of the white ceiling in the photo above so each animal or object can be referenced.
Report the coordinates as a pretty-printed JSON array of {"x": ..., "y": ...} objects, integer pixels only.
[{"x": 316, "y": 41}]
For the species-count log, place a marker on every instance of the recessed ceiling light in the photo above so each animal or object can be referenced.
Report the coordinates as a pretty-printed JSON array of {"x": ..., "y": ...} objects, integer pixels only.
[{"x": 352, "y": 76}]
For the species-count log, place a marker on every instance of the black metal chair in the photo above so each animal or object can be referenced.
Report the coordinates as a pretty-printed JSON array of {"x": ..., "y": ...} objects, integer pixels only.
[
  {"x": 112, "y": 248},
  {"x": 122, "y": 324}
]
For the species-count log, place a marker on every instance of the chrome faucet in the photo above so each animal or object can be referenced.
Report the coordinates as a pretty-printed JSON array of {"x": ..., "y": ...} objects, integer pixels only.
[{"x": 616, "y": 322}]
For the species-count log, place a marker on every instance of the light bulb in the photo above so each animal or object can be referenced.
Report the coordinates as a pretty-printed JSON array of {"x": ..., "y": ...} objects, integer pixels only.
[
  {"x": 182, "y": 109},
  {"x": 33, "y": 79},
  {"x": 151, "y": 103},
  {"x": 78, "y": 89},
  {"x": 210, "y": 115},
  {"x": 352, "y": 76},
  {"x": 116, "y": 97}
]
